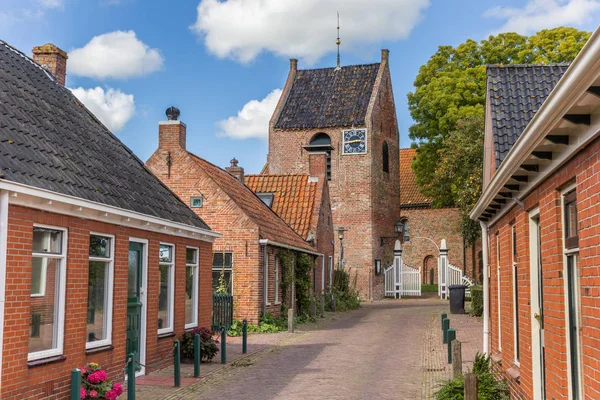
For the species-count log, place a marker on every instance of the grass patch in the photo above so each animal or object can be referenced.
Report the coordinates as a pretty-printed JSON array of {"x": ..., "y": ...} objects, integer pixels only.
[{"x": 429, "y": 288}]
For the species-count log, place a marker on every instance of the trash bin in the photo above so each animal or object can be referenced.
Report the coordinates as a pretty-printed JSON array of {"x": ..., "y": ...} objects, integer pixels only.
[{"x": 457, "y": 299}]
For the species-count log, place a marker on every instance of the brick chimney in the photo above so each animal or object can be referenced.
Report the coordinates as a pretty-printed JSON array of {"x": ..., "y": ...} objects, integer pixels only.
[
  {"x": 293, "y": 64},
  {"x": 171, "y": 133},
  {"x": 317, "y": 164},
  {"x": 385, "y": 55},
  {"x": 53, "y": 59},
  {"x": 237, "y": 172}
]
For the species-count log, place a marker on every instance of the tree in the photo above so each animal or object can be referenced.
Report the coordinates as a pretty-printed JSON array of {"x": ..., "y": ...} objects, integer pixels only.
[{"x": 450, "y": 88}]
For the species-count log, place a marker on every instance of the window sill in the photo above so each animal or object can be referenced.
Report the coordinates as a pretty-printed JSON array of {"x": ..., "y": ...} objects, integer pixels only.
[
  {"x": 99, "y": 349},
  {"x": 165, "y": 335},
  {"x": 45, "y": 361},
  {"x": 277, "y": 303},
  {"x": 267, "y": 304},
  {"x": 497, "y": 358},
  {"x": 514, "y": 373},
  {"x": 189, "y": 328}
]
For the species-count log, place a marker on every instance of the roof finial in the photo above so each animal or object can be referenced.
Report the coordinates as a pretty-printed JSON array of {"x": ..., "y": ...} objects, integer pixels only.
[{"x": 338, "y": 42}]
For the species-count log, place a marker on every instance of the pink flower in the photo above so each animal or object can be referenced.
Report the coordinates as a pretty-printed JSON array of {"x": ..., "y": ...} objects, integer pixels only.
[
  {"x": 83, "y": 370},
  {"x": 82, "y": 393},
  {"x": 93, "y": 394},
  {"x": 94, "y": 378},
  {"x": 101, "y": 375},
  {"x": 111, "y": 395},
  {"x": 118, "y": 388}
]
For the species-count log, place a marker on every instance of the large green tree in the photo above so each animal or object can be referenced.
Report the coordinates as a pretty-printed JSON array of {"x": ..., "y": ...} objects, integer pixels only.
[{"x": 450, "y": 88}]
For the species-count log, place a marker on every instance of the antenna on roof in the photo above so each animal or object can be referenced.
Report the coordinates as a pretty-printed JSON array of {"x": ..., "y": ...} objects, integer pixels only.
[{"x": 338, "y": 42}]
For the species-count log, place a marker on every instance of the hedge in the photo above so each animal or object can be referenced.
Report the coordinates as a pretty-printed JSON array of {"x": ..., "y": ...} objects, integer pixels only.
[{"x": 477, "y": 301}]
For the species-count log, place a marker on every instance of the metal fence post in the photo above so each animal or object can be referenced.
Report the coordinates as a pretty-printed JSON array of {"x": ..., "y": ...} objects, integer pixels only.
[
  {"x": 223, "y": 346},
  {"x": 177, "y": 364},
  {"x": 451, "y": 337},
  {"x": 244, "y": 337},
  {"x": 76, "y": 384},
  {"x": 131, "y": 376},
  {"x": 446, "y": 326},
  {"x": 197, "y": 355}
]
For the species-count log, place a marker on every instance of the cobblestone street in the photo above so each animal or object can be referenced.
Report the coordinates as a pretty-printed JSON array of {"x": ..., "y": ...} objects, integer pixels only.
[{"x": 385, "y": 350}]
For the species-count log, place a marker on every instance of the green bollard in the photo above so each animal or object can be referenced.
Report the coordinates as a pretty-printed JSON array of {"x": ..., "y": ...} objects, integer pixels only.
[
  {"x": 451, "y": 337},
  {"x": 444, "y": 316},
  {"x": 244, "y": 337},
  {"x": 446, "y": 325},
  {"x": 177, "y": 364},
  {"x": 76, "y": 384},
  {"x": 223, "y": 346},
  {"x": 197, "y": 355},
  {"x": 130, "y": 376}
]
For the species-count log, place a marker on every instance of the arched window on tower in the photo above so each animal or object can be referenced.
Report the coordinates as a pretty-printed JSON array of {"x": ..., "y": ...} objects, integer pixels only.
[
  {"x": 385, "y": 156},
  {"x": 323, "y": 139}
]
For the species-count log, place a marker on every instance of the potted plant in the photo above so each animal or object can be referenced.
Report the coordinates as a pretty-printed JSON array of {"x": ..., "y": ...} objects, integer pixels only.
[{"x": 95, "y": 384}]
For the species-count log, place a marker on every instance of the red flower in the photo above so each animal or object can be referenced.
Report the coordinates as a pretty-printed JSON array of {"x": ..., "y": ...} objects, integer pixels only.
[{"x": 117, "y": 388}]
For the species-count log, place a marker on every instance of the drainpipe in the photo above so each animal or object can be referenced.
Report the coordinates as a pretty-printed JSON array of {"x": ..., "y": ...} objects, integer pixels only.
[
  {"x": 3, "y": 247},
  {"x": 265, "y": 279},
  {"x": 486, "y": 288}
]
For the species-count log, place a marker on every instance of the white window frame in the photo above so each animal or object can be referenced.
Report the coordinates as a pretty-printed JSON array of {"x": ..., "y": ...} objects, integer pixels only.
[
  {"x": 213, "y": 268},
  {"x": 42, "y": 292},
  {"x": 108, "y": 302},
  {"x": 566, "y": 254},
  {"x": 171, "y": 290},
  {"x": 498, "y": 291},
  {"x": 276, "y": 280},
  {"x": 195, "y": 286},
  {"x": 513, "y": 264},
  {"x": 60, "y": 298}
]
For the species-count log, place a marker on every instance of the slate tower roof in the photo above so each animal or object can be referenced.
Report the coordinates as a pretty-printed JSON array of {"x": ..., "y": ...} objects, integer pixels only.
[
  {"x": 50, "y": 140},
  {"x": 328, "y": 97},
  {"x": 516, "y": 92}
]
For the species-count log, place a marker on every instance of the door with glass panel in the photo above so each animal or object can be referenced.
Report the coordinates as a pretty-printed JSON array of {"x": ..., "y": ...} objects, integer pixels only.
[
  {"x": 537, "y": 309},
  {"x": 134, "y": 301}
]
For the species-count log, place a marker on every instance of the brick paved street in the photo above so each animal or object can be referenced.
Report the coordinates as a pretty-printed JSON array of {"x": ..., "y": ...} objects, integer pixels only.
[{"x": 385, "y": 350}]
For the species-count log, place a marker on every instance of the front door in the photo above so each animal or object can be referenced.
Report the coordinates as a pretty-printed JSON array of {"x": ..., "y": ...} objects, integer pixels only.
[
  {"x": 537, "y": 309},
  {"x": 134, "y": 302}
]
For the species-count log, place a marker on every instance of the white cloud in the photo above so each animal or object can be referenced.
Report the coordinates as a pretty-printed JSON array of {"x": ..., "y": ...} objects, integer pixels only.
[
  {"x": 252, "y": 121},
  {"x": 242, "y": 29},
  {"x": 113, "y": 107},
  {"x": 52, "y": 3},
  {"x": 544, "y": 14},
  {"x": 117, "y": 55}
]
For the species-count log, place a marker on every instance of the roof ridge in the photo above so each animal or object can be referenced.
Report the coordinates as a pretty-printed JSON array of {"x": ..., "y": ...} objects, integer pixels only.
[
  {"x": 342, "y": 67},
  {"x": 276, "y": 175},
  {"x": 563, "y": 64}
]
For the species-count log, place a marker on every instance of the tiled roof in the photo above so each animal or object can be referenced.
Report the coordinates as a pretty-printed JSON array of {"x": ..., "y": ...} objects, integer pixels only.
[
  {"x": 328, "y": 97},
  {"x": 271, "y": 227},
  {"x": 49, "y": 140},
  {"x": 293, "y": 198},
  {"x": 409, "y": 190},
  {"x": 516, "y": 93}
]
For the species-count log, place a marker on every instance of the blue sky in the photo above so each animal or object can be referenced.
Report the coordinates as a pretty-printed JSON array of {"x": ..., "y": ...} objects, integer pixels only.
[{"x": 220, "y": 58}]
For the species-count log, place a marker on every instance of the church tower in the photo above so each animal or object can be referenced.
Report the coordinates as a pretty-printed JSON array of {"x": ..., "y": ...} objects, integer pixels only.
[{"x": 347, "y": 113}]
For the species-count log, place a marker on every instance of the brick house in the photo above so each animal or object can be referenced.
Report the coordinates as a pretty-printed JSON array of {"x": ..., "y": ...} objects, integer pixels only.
[
  {"x": 427, "y": 225},
  {"x": 98, "y": 259},
  {"x": 253, "y": 234},
  {"x": 348, "y": 113},
  {"x": 540, "y": 219},
  {"x": 302, "y": 201}
]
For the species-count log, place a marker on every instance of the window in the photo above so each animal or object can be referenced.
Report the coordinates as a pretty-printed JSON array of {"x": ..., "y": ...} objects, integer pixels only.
[
  {"x": 196, "y": 202},
  {"x": 498, "y": 292},
  {"x": 323, "y": 139},
  {"x": 191, "y": 287},
  {"x": 47, "y": 306},
  {"x": 385, "y": 157},
  {"x": 100, "y": 284},
  {"x": 166, "y": 293},
  {"x": 222, "y": 272},
  {"x": 277, "y": 266},
  {"x": 517, "y": 350},
  {"x": 406, "y": 230},
  {"x": 571, "y": 255},
  {"x": 266, "y": 198}
]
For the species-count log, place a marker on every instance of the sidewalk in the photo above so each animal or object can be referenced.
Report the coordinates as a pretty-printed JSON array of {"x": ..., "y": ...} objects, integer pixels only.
[{"x": 469, "y": 331}]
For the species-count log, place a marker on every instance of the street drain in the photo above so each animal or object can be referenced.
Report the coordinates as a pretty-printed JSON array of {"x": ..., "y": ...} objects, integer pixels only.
[{"x": 434, "y": 369}]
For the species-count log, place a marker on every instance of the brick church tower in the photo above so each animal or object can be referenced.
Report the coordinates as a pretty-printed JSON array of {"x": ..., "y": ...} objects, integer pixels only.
[{"x": 348, "y": 113}]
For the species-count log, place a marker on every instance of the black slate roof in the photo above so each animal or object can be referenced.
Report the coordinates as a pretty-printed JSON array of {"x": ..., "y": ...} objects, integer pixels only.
[
  {"x": 49, "y": 140},
  {"x": 516, "y": 93},
  {"x": 327, "y": 97}
]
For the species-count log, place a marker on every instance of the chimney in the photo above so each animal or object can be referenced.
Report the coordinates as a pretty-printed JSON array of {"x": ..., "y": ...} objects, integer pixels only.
[
  {"x": 171, "y": 133},
  {"x": 237, "y": 172},
  {"x": 385, "y": 55},
  {"x": 293, "y": 64},
  {"x": 53, "y": 59},
  {"x": 317, "y": 164}
]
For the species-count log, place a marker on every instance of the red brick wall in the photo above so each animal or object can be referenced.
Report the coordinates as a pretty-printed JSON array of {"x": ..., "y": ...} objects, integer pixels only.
[
  {"x": 364, "y": 199},
  {"x": 582, "y": 169},
  {"x": 52, "y": 380}
]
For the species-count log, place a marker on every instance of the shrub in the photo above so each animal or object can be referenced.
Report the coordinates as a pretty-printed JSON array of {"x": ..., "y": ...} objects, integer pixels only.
[
  {"x": 344, "y": 289},
  {"x": 477, "y": 301},
  {"x": 208, "y": 345},
  {"x": 95, "y": 384}
]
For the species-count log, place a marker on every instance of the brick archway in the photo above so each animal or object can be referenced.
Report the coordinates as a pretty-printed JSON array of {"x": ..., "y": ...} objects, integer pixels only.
[{"x": 429, "y": 270}]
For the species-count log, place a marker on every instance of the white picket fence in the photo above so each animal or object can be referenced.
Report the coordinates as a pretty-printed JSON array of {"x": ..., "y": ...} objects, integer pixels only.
[{"x": 408, "y": 285}]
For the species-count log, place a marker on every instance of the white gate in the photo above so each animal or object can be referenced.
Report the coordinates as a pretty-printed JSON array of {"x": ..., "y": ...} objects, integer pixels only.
[
  {"x": 411, "y": 281},
  {"x": 405, "y": 281}
]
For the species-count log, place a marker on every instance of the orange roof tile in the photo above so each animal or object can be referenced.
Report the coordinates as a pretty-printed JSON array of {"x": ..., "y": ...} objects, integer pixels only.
[
  {"x": 409, "y": 190},
  {"x": 270, "y": 225},
  {"x": 293, "y": 200}
]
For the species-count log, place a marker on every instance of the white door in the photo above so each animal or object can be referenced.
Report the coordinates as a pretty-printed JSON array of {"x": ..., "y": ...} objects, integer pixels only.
[{"x": 537, "y": 308}]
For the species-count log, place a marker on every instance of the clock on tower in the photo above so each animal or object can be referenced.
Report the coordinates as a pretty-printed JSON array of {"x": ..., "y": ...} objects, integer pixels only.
[{"x": 355, "y": 141}]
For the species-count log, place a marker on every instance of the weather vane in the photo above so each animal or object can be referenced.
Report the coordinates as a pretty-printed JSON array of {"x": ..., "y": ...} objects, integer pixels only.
[{"x": 338, "y": 42}]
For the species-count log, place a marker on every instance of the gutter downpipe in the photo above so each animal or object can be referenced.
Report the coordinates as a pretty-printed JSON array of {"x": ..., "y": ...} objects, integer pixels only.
[
  {"x": 265, "y": 277},
  {"x": 3, "y": 251},
  {"x": 486, "y": 288}
]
